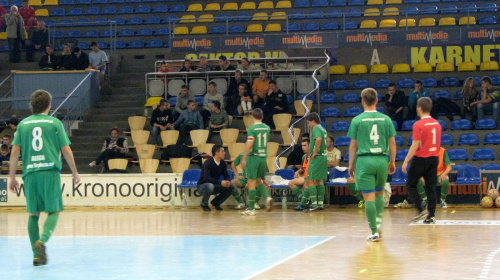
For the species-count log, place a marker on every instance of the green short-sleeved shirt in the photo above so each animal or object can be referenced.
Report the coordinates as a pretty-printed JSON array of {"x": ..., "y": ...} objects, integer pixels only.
[
  {"x": 318, "y": 131},
  {"x": 237, "y": 162},
  {"x": 372, "y": 131},
  {"x": 259, "y": 134},
  {"x": 41, "y": 138}
]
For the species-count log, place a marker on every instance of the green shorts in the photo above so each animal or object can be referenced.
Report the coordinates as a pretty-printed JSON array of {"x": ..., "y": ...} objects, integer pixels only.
[
  {"x": 256, "y": 167},
  {"x": 43, "y": 191},
  {"x": 371, "y": 173},
  {"x": 317, "y": 169},
  {"x": 243, "y": 182}
]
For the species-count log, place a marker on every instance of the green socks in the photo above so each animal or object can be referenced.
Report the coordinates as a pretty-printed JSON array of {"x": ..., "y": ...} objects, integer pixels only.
[
  {"x": 305, "y": 197},
  {"x": 371, "y": 215},
  {"x": 33, "y": 230},
  {"x": 379, "y": 205},
  {"x": 445, "y": 185},
  {"x": 237, "y": 196},
  {"x": 313, "y": 193},
  {"x": 49, "y": 226},
  {"x": 321, "y": 195},
  {"x": 421, "y": 190},
  {"x": 251, "y": 199},
  {"x": 262, "y": 190},
  {"x": 352, "y": 188},
  {"x": 296, "y": 191}
]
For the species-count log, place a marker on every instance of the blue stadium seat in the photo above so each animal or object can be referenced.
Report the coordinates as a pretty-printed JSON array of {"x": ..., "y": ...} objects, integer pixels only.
[
  {"x": 382, "y": 83},
  {"x": 66, "y": 2},
  {"x": 322, "y": 85},
  {"x": 338, "y": 3},
  {"x": 399, "y": 178},
  {"x": 179, "y": 8},
  {"x": 82, "y": 22},
  {"x": 399, "y": 140},
  {"x": 395, "y": 124},
  {"x": 327, "y": 98},
  {"x": 350, "y": 97},
  {"x": 477, "y": 79},
  {"x": 450, "y": 0},
  {"x": 492, "y": 138},
  {"x": 142, "y": 10},
  {"x": 50, "y": 22},
  {"x": 380, "y": 109},
  {"x": 84, "y": 45},
  {"x": 342, "y": 141},
  {"x": 73, "y": 34},
  {"x": 379, "y": 97},
  {"x": 485, "y": 124},
  {"x": 238, "y": 28},
  {"x": 443, "y": 124},
  {"x": 360, "y": 84},
  {"x": 495, "y": 80},
  {"x": 353, "y": 13},
  {"x": 101, "y": 21},
  {"x": 441, "y": 93},
  {"x": 311, "y": 97},
  {"x": 461, "y": 124},
  {"x": 126, "y": 32},
  {"x": 447, "y": 139},
  {"x": 405, "y": 83},
  {"x": 74, "y": 12},
  {"x": 339, "y": 84},
  {"x": 102, "y": 45},
  {"x": 483, "y": 154},
  {"x": 401, "y": 154},
  {"x": 171, "y": 18},
  {"x": 134, "y": 21},
  {"x": 352, "y": 111},
  {"x": 337, "y": 174},
  {"x": 450, "y": 82},
  {"x": 289, "y": 97},
  {"x": 190, "y": 178},
  {"x": 301, "y": 4},
  {"x": 223, "y": 18},
  {"x": 315, "y": 15},
  {"x": 57, "y": 12},
  {"x": 449, "y": 9},
  {"x": 458, "y": 154},
  {"x": 346, "y": 157},
  {"x": 90, "y": 33},
  {"x": 408, "y": 125},
  {"x": 488, "y": 8},
  {"x": 409, "y": 11},
  {"x": 429, "y": 10},
  {"x": 286, "y": 174},
  {"x": 154, "y": 43},
  {"x": 199, "y": 99},
  {"x": 107, "y": 33},
  {"x": 412, "y": 1},
  {"x": 116, "y": 1},
  {"x": 488, "y": 20},
  {"x": 83, "y": 2},
  {"x": 330, "y": 112},
  {"x": 323, "y": 124},
  {"x": 468, "y": 139},
  {"x": 119, "y": 44},
  {"x": 292, "y": 27},
  {"x": 356, "y": 2},
  {"x": 311, "y": 26},
  {"x": 468, "y": 176},
  {"x": 146, "y": 31},
  {"x": 172, "y": 101},
  {"x": 490, "y": 167},
  {"x": 461, "y": 165},
  {"x": 320, "y": 3},
  {"x": 349, "y": 25},
  {"x": 152, "y": 20},
  {"x": 92, "y": 11},
  {"x": 339, "y": 126},
  {"x": 410, "y": 140},
  {"x": 99, "y": 1},
  {"x": 58, "y": 34},
  {"x": 119, "y": 20},
  {"x": 66, "y": 22},
  {"x": 108, "y": 11},
  {"x": 160, "y": 9},
  {"x": 297, "y": 15},
  {"x": 217, "y": 29},
  {"x": 334, "y": 14},
  {"x": 431, "y": 1},
  {"x": 458, "y": 95},
  {"x": 242, "y": 17},
  {"x": 126, "y": 10},
  {"x": 429, "y": 82},
  {"x": 133, "y": 1},
  {"x": 470, "y": 8}
]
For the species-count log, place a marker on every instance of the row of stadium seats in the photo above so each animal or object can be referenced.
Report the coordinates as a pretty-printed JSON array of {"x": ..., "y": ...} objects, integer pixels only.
[
  {"x": 119, "y": 44},
  {"x": 34, "y": 3},
  {"x": 419, "y": 68}
]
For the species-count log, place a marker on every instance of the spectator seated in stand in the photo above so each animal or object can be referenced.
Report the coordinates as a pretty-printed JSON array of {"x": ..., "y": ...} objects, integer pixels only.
[
  {"x": 79, "y": 59},
  {"x": 187, "y": 66},
  {"x": 204, "y": 66},
  {"x": 39, "y": 40},
  {"x": 163, "y": 68},
  {"x": 417, "y": 92},
  {"x": 48, "y": 62},
  {"x": 294, "y": 159},
  {"x": 218, "y": 119},
  {"x": 161, "y": 120},
  {"x": 181, "y": 102},
  {"x": 189, "y": 120},
  {"x": 113, "y": 147},
  {"x": 396, "y": 104},
  {"x": 7, "y": 140},
  {"x": 4, "y": 153},
  {"x": 469, "y": 96},
  {"x": 247, "y": 65},
  {"x": 275, "y": 102},
  {"x": 233, "y": 96},
  {"x": 98, "y": 60},
  {"x": 490, "y": 100},
  {"x": 64, "y": 60},
  {"x": 210, "y": 96},
  {"x": 224, "y": 65},
  {"x": 333, "y": 155},
  {"x": 28, "y": 15},
  {"x": 260, "y": 88}
]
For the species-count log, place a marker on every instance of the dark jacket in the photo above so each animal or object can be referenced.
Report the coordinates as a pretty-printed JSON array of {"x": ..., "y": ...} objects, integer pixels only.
[
  {"x": 276, "y": 99},
  {"x": 211, "y": 173},
  {"x": 398, "y": 100},
  {"x": 79, "y": 63},
  {"x": 40, "y": 38},
  {"x": 228, "y": 67},
  {"x": 233, "y": 87},
  {"x": 44, "y": 61},
  {"x": 184, "y": 69},
  {"x": 295, "y": 157},
  {"x": 64, "y": 61},
  {"x": 161, "y": 117}
]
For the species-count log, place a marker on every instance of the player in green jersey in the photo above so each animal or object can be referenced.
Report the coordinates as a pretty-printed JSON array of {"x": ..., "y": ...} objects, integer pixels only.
[
  {"x": 41, "y": 139},
  {"x": 254, "y": 161},
  {"x": 372, "y": 137},
  {"x": 241, "y": 181},
  {"x": 317, "y": 171}
]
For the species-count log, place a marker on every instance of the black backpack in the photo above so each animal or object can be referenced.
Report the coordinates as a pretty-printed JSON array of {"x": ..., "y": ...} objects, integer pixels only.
[{"x": 176, "y": 151}]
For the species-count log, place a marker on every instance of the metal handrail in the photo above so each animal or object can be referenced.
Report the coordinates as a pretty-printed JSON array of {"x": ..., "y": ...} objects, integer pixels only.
[
  {"x": 1, "y": 84},
  {"x": 290, "y": 129}
]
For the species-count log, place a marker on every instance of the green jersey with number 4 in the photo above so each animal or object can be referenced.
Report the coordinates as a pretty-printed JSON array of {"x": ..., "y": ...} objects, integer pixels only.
[
  {"x": 318, "y": 131},
  {"x": 372, "y": 130},
  {"x": 259, "y": 134},
  {"x": 41, "y": 138}
]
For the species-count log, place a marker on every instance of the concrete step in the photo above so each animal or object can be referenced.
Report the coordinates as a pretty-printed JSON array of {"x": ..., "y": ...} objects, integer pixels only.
[
  {"x": 92, "y": 118},
  {"x": 132, "y": 111},
  {"x": 136, "y": 97},
  {"x": 117, "y": 104},
  {"x": 102, "y": 131},
  {"x": 119, "y": 90},
  {"x": 106, "y": 124}
]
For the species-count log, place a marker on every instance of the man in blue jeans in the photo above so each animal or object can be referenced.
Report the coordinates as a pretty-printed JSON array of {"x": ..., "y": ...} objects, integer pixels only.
[
  {"x": 209, "y": 183},
  {"x": 189, "y": 120}
]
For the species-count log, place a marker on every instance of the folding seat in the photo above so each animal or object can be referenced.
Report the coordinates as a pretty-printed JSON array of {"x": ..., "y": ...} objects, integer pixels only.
[
  {"x": 330, "y": 25},
  {"x": 431, "y": 1},
  {"x": 429, "y": 10},
  {"x": 330, "y": 112},
  {"x": 265, "y": 5},
  {"x": 119, "y": 44},
  {"x": 477, "y": 79},
  {"x": 118, "y": 21},
  {"x": 223, "y": 18},
  {"x": 360, "y": 84},
  {"x": 126, "y": 32},
  {"x": 462, "y": 166},
  {"x": 380, "y": 109},
  {"x": 447, "y": 139},
  {"x": 320, "y": 3},
  {"x": 495, "y": 80},
  {"x": 278, "y": 16},
  {"x": 126, "y": 10},
  {"x": 178, "y": 8},
  {"x": 450, "y": 82},
  {"x": 311, "y": 26},
  {"x": 443, "y": 124},
  {"x": 283, "y": 5},
  {"x": 349, "y": 25},
  {"x": 92, "y": 11},
  {"x": 467, "y": 21},
  {"x": 82, "y": 22},
  {"x": 337, "y": 70},
  {"x": 322, "y": 85},
  {"x": 248, "y": 6},
  {"x": 206, "y": 18},
  {"x": 90, "y": 33},
  {"x": 350, "y": 97},
  {"x": 468, "y": 139},
  {"x": 160, "y": 9},
  {"x": 405, "y": 83},
  {"x": 382, "y": 83},
  {"x": 50, "y": 22},
  {"x": 445, "y": 67},
  {"x": 301, "y": 4},
  {"x": 408, "y": 125},
  {"x": 407, "y": 23},
  {"x": 181, "y": 30},
  {"x": 108, "y": 11},
  {"x": 200, "y": 29},
  {"x": 387, "y": 23},
  {"x": 338, "y": 3},
  {"x": 133, "y": 1},
  {"x": 252, "y": 28},
  {"x": 391, "y": 11},
  {"x": 315, "y": 15},
  {"x": 468, "y": 8},
  {"x": 352, "y": 111},
  {"x": 356, "y": 2},
  {"x": 242, "y": 17},
  {"x": 441, "y": 93},
  {"x": 73, "y": 34},
  {"x": 395, "y": 124},
  {"x": 152, "y": 20},
  {"x": 170, "y": 19},
  {"x": 467, "y": 67},
  {"x": 238, "y": 28},
  {"x": 401, "y": 154},
  {"x": 447, "y": 21},
  {"x": 66, "y": 2},
  {"x": 84, "y": 45},
  {"x": 107, "y": 33},
  {"x": 66, "y": 22},
  {"x": 327, "y": 98},
  {"x": 353, "y": 13},
  {"x": 146, "y": 31},
  {"x": 375, "y": 2},
  {"x": 426, "y": 22},
  {"x": 42, "y": 13},
  {"x": 401, "y": 68},
  {"x": 429, "y": 82},
  {"x": 102, "y": 45},
  {"x": 488, "y": 8},
  {"x": 458, "y": 154},
  {"x": 490, "y": 167},
  {"x": 334, "y": 14},
  {"x": 458, "y": 95},
  {"x": 74, "y": 12},
  {"x": 412, "y": 1},
  {"x": 260, "y": 16},
  {"x": 195, "y": 8},
  {"x": 342, "y": 141},
  {"x": 188, "y": 19},
  {"x": 399, "y": 140},
  {"x": 423, "y": 68},
  {"x": 449, "y": 9},
  {"x": 483, "y": 154},
  {"x": 488, "y": 20},
  {"x": 94, "y": 1},
  {"x": 134, "y": 20},
  {"x": 154, "y": 43},
  {"x": 292, "y": 27},
  {"x": 116, "y": 1},
  {"x": 485, "y": 124},
  {"x": 409, "y": 11},
  {"x": 371, "y": 12},
  {"x": 358, "y": 69},
  {"x": 212, "y": 7},
  {"x": 83, "y": 2},
  {"x": 489, "y": 66},
  {"x": 339, "y": 84},
  {"x": 338, "y": 126},
  {"x": 217, "y": 29}
]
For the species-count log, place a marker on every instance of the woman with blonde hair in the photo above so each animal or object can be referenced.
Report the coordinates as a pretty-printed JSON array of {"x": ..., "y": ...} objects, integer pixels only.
[{"x": 469, "y": 95}]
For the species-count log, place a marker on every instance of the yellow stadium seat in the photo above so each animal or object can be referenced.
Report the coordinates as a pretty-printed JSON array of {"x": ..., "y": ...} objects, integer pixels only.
[
  {"x": 372, "y": 12},
  {"x": 155, "y": 100},
  {"x": 423, "y": 68},
  {"x": 278, "y": 16},
  {"x": 42, "y": 13},
  {"x": 393, "y": 2},
  {"x": 467, "y": 21},
  {"x": 201, "y": 29},
  {"x": 195, "y": 8},
  {"x": 387, "y": 23},
  {"x": 284, "y": 5},
  {"x": 447, "y": 21},
  {"x": 337, "y": 70},
  {"x": 3, "y": 35},
  {"x": 410, "y": 22},
  {"x": 369, "y": 23},
  {"x": 427, "y": 22},
  {"x": 392, "y": 11},
  {"x": 489, "y": 66},
  {"x": 273, "y": 27},
  {"x": 358, "y": 69},
  {"x": 467, "y": 66},
  {"x": 51, "y": 3},
  {"x": 230, "y": 7},
  {"x": 248, "y": 6},
  {"x": 181, "y": 30},
  {"x": 445, "y": 67},
  {"x": 35, "y": 3},
  {"x": 212, "y": 7},
  {"x": 401, "y": 68},
  {"x": 266, "y": 5},
  {"x": 379, "y": 69},
  {"x": 188, "y": 19},
  {"x": 206, "y": 18},
  {"x": 254, "y": 28},
  {"x": 260, "y": 16},
  {"x": 375, "y": 2}
]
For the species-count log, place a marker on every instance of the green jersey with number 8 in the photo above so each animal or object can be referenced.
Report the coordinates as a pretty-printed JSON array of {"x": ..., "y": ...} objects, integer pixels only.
[
  {"x": 372, "y": 130},
  {"x": 259, "y": 134},
  {"x": 41, "y": 138}
]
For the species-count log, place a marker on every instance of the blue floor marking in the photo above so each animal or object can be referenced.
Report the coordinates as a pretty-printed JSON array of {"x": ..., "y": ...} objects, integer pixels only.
[{"x": 149, "y": 257}]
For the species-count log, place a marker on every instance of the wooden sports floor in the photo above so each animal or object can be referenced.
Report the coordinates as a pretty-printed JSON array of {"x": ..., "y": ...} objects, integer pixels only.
[{"x": 160, "y": 243}]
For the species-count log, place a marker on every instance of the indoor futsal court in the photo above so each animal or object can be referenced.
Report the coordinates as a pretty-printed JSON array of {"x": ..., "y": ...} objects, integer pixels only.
[{"x": 159, "y": 243}]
